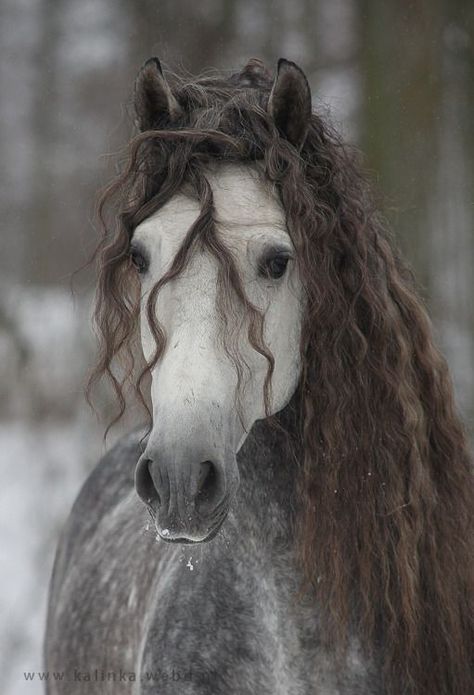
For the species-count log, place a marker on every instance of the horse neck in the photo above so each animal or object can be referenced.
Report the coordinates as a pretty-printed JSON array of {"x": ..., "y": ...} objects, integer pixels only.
[{"x": 268, "y": 466}]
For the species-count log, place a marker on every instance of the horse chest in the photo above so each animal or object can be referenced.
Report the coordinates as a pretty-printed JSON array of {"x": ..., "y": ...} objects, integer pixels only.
[
  {"x": 231, "y": 625},
  {"x": 139, "y": 617},
  {"x": 221, "y": 629}
]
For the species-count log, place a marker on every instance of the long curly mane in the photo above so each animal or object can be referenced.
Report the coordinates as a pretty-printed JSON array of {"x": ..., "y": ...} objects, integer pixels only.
[{"x": 384, "y": 529}]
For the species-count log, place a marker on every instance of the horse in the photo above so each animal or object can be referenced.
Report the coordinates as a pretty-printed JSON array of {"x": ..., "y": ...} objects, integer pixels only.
[{"x": 296, "y": 516}]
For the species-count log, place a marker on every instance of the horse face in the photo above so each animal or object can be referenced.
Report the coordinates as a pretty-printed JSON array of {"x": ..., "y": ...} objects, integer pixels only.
[{"x": 202, "y": 410}]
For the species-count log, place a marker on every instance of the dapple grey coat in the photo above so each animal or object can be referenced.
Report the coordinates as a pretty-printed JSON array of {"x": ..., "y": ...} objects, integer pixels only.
[{"x": 130, "y": 614}]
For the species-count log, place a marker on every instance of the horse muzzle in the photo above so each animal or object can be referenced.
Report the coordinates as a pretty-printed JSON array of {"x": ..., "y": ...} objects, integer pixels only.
[{"x": 187, "y": 492}]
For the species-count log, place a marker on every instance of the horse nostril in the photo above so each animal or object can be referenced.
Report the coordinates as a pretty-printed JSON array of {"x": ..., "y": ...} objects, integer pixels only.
[
  {"x": 206, "y": 470},
  {"x": 207, "y": 482},
  {"x": 144, "y": 484}
]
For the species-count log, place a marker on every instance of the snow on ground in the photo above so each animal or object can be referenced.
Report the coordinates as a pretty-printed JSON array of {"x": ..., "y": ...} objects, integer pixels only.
[
  {"x": 49, "y": 441},
  {"x": 42, "y": 468}
]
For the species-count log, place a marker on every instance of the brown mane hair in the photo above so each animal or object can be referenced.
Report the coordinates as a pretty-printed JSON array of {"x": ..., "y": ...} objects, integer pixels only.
[{"x": 384, "y": 529}]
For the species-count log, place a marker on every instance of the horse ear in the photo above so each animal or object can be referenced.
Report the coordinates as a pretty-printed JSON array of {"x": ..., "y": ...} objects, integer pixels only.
[
  {"x": 154, "y": 101},
  {"x": 289, "y": 103}
]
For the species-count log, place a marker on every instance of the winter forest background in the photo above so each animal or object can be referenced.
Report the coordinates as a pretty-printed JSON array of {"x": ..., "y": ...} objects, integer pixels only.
[{"x": 398, "y": 79}]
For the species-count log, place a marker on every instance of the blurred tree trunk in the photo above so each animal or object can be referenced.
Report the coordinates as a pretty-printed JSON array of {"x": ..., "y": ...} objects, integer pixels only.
[
  {"x": 401, "y": 99},
  {"x": 168, "y": 29},
  {"x": 42, "y": 210},
  {"x": 417, "y": 73},
  {"x": 452, "y": 248}
]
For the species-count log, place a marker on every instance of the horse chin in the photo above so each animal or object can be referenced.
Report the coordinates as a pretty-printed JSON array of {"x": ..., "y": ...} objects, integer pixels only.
[{"x": 190, "y": 540}]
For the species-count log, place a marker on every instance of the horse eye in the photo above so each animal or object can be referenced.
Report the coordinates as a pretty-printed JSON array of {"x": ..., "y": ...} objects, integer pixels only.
[
  {"x": 274, "y": 266},
  {"x": 139, "y": 261}
]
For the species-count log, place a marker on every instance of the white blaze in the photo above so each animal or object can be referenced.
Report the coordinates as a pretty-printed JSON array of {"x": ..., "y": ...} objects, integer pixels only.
[{"x": 195, "y": 375}]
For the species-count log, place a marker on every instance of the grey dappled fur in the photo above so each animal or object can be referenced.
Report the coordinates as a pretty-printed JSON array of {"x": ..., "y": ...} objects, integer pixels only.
[{"x": 124, "y": 603}]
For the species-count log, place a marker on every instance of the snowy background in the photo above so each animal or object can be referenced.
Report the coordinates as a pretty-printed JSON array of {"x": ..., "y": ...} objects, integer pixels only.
[{"x": 398, "y": 79}]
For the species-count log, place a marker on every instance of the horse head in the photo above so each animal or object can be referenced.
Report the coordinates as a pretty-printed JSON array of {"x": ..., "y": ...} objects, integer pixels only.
[{"x": 219, "y": 276}]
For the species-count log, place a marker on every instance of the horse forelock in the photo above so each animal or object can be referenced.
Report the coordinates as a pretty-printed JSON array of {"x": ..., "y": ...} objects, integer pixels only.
[{"x": 384, "y": 475}]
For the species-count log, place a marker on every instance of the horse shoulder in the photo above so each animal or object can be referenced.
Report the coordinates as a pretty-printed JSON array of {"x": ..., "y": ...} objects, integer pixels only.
[
  {"x": 90, "y": 538},
  {"x": 105, "y": 487}
]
